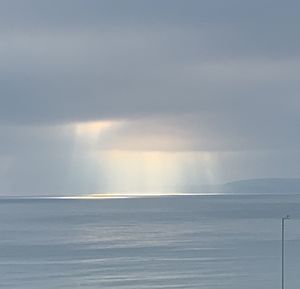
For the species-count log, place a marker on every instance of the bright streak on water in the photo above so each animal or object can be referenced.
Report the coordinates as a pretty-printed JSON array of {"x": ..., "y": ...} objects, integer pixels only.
[
  {"x": 130, "y": 195},
  {"x": 228, "y": 242}
]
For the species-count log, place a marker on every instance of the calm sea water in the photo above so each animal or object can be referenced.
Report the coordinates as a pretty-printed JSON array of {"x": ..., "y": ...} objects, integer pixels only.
[{"x": 165, "y": 242}]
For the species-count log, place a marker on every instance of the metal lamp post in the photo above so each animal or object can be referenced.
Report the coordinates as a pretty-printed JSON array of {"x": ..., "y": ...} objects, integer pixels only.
[{"x": 287, "y": 217}]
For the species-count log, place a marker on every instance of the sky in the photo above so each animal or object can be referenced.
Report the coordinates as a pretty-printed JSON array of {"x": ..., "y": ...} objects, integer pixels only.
[{"x": 146, "y": 95}]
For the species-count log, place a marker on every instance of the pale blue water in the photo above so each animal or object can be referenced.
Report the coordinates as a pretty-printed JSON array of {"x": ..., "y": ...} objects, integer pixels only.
[{"x": 171, "y": 242}]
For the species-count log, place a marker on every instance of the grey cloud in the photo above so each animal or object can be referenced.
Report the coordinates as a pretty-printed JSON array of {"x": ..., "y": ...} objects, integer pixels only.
[
  {"x": 223, "y": 75},
  {"x": 81, "y": 83},
  {"x": 75, "y": 61},
  {"x": 98, "y": 11}
]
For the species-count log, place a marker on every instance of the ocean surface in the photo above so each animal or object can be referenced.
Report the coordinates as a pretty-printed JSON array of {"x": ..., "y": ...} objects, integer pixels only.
[{"x": 203, "y": 242}]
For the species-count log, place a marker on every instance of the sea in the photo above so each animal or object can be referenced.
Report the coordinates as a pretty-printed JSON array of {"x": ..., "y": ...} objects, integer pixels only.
[{"x": 195, "y": 241}]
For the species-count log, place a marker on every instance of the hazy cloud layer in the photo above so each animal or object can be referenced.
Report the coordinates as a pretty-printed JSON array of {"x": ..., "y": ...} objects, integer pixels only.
[{"x": 204, "y": 76}]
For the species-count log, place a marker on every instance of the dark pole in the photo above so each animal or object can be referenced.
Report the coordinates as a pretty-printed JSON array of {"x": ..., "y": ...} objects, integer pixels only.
[{"x": 282, "y": 249}]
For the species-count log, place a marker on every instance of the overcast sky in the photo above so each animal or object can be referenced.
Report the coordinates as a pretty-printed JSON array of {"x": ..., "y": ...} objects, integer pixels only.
[{"x": 188, "y": 92}]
